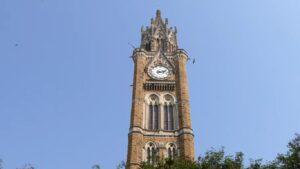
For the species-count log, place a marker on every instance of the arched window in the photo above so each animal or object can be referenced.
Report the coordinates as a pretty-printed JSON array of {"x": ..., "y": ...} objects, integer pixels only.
[
  {"x": 153, "y": 113},
  {"x": 166, "y": 116},
  {"x": 150, "y": 122},
  {"x": 148, "y": 46},
  {"x": 171, "y": 148},
  {"x": 169, "y": 113},
  {"x": 171, "y": 117},
  {"x": 151, "y": 153}
]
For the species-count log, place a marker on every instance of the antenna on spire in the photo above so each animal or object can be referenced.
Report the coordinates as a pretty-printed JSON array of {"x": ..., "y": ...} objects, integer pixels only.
[
  {"x": 131, "y": 45},
  {"x": 194, "y": 61}
]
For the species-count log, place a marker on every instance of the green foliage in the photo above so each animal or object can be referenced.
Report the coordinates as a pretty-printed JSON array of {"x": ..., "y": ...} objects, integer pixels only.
[
  {"x": 257, "y": 164},
  {"x": 216, "y": 159},
  {"x": 213, "y": 159},
  {"x": 96, "y": 166},
  {"x": 1, "y": 163},
  {"x": 27, "y": 166},
  {"x": 290, "y": 160},
  {"x": 121, "y": 165},
  {"x": 171, "y": 164}
]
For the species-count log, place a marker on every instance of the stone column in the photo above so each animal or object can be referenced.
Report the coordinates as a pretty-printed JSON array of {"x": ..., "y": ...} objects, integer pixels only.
[
  {"x": 162, "y": 117},
  {"x": 135, "y": 137},
  {"x": 186, "y": 139}
]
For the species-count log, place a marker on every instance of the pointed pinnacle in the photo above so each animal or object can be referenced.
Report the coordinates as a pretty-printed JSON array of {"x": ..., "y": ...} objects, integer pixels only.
[{"x": 158, "y": 14}]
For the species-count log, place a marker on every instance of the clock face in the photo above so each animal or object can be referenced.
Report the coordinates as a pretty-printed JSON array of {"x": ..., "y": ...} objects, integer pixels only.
[{"x": 159, "y": 72}]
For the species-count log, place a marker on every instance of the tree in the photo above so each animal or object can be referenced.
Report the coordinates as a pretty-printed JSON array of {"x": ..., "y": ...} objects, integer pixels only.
[
  {"x": 96, "y": 166},
  {"x": 1, "y": 163},
  {"x": 171, "y": 164},
  {"x": 121, "y": 165},
  {"x": 216, "y": 159},
  {"x": 213, "y": 159},
  {"x": 290, "y": 160},
  {"x": 27, "y": 166}
]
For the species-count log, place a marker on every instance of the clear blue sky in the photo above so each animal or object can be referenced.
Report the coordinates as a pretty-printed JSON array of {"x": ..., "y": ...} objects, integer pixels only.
[{"x": 65, "y": 76}]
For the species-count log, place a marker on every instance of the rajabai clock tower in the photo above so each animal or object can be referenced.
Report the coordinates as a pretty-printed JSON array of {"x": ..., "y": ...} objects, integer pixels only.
[{"x": 160, "y": 123}]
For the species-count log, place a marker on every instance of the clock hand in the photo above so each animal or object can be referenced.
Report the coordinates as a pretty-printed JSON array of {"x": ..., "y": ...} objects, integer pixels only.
[{"x": 161, "y": 71}]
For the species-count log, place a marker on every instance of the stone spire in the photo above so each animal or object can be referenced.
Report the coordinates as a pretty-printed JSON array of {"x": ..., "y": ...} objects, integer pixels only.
[
  {"x": 158, "y": 13},
  {"x": 158, "y": 36}
]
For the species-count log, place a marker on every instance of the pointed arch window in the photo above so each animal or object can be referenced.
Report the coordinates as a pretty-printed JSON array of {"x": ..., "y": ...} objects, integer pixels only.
[
  {"x": 169, "y": 113},
  {"x": 169, "y": 117},
  {"x": 166, "y": 117},
  {"x": 148, "y": 46},
  {"x": 150, "y": 122},
  {"x": 153, "y": 113},
  {"x": 151, "y": 153},
  {"x": 171, "y": 151}
]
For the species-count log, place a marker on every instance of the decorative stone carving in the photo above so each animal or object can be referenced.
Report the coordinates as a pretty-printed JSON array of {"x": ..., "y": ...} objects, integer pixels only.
[
  {"x": 160, "y": 60},
  {"x": 158, "y": 36}
]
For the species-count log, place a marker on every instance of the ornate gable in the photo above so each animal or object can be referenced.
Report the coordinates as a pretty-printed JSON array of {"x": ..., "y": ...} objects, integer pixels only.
[
  {"x": 159, "y": 59},
  {"x": 159, "y": 36}
]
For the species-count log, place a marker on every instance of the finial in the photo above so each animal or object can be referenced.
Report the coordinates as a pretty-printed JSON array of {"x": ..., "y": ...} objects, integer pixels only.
[{"x": 158, "y": 14}]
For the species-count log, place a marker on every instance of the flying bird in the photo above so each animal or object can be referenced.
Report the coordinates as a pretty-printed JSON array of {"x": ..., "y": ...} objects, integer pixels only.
[{"x": 194, "y": 61}]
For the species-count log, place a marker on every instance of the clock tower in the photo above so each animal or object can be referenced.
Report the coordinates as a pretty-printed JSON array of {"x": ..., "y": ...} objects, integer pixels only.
[{"x": 160, "y": 123}]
